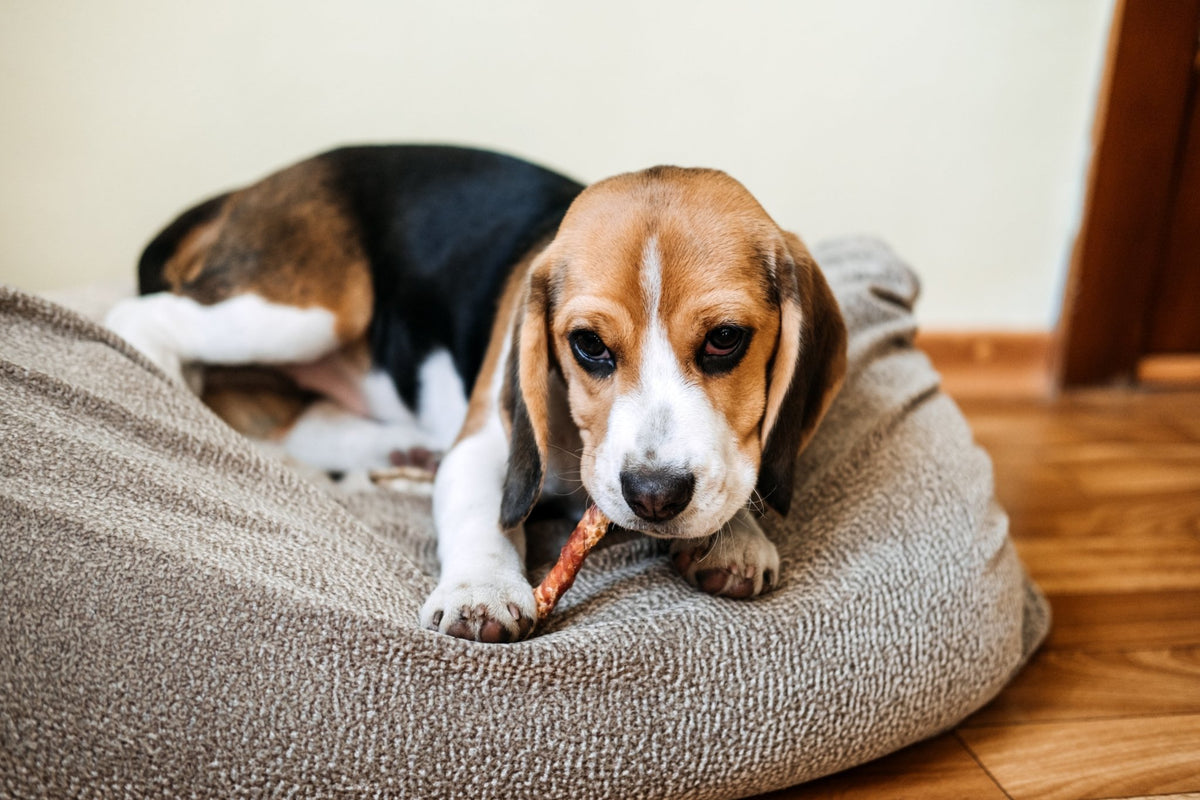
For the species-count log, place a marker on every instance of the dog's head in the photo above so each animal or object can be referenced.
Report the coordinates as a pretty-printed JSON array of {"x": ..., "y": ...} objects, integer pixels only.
[{"x": 699, "y": 343}]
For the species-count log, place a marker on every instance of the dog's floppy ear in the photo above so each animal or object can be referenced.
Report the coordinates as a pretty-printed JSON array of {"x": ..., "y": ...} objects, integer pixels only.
[
  {"x": 806, "y": 372},
  {"x": 525, "y": 398}
]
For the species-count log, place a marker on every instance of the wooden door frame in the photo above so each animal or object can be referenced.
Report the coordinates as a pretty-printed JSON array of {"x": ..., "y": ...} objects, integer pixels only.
[{"x": 1138, "y": 139}]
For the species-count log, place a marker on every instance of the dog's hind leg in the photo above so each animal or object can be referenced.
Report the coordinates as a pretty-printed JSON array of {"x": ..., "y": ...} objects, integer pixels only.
[{"x": 173, "y": 330}]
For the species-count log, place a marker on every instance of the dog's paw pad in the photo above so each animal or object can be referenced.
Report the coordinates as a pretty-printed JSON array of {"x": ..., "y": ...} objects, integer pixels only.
[
  {"x": 418, "y": 457},
  {"x": 483, "y": 611},
  {"x": 724, "y": 583}
]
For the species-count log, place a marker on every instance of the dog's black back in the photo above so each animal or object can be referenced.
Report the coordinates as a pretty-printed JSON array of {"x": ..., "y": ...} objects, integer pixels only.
[{"x": 442, "y": 228}]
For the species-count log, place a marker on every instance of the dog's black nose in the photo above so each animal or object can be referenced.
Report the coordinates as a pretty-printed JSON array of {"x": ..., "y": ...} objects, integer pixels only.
[{"x": 657, "y": 495}]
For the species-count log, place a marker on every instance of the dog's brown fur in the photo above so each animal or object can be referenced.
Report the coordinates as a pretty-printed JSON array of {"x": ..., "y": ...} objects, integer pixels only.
[{"x": 290, "y": 240}]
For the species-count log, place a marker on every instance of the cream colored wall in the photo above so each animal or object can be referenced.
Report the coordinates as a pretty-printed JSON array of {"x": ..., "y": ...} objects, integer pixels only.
[{"x": 956, "y": 129}]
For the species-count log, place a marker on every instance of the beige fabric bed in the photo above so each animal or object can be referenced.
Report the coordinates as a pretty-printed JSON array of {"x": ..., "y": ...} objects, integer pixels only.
[{"x": 181, "y": 615}]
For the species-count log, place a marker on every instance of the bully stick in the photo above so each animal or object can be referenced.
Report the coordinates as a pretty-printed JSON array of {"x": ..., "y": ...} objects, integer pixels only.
[{"x": 587, "y": 533}]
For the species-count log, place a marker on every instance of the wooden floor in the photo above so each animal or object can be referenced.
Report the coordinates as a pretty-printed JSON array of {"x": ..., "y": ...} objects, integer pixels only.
[{"x": 1103, "y": 492}]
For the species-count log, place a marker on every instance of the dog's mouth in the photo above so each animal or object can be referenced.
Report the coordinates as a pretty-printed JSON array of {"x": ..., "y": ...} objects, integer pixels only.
[
  {"x": 688, "y": 525},
  {"x": 658, "y": 530}
]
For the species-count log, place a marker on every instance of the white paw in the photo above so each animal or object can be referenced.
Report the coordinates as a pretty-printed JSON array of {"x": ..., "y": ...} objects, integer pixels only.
[
  {"x": 496, "y": 607},
  {"x": 739, "y": 561}
]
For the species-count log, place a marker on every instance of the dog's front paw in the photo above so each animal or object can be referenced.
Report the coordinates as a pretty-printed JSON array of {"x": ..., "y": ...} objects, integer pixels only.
[
  {"x": 491, "y": 608},
  {"x": 739, "y": 561}
]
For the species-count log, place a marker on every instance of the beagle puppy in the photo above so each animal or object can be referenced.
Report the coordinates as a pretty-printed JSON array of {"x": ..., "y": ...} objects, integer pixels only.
[{"x": 655, "y": 337}]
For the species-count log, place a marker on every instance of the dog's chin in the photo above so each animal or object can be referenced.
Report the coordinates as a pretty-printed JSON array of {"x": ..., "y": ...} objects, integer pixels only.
[{"x": 659, "y": 530}]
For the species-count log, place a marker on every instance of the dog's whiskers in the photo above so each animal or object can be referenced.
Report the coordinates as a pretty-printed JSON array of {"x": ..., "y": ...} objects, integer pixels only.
[
  {"x": 724, "y": 530},
  {"x": 757, "y": 502},
  {"x": 573, "y": 453}
]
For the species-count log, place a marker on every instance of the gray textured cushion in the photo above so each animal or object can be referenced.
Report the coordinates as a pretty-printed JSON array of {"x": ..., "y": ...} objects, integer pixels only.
[{"x": 182, "y": 615}]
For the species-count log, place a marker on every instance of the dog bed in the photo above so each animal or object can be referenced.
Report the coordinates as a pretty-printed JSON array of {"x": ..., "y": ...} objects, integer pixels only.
[{"x": 183, "y": 615}]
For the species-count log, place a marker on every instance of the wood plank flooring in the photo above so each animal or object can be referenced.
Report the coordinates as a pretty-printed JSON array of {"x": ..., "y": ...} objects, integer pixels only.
[{"x": 1103, "y": 493}]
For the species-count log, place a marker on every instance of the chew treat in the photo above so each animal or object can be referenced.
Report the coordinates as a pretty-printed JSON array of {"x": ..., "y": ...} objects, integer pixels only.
[{"x": 587, "y": 533}]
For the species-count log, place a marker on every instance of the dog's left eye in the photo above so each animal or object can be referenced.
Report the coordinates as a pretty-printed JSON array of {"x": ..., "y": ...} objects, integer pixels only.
[{"x": 723, "y": 348}]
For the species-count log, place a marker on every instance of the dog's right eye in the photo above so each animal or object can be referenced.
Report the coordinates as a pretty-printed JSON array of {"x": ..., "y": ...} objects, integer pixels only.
[{"x": 592, "y": 353}]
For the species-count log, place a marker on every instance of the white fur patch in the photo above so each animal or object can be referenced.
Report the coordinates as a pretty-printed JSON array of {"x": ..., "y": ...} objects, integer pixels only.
[
  {"x": 442, "y": 399},
  {"x": 382, "y": 401},
  {"x": 651, "y": 278},
  {"x": 173, "y": 330}
]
